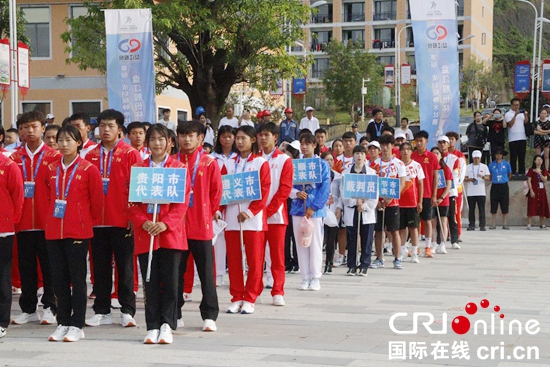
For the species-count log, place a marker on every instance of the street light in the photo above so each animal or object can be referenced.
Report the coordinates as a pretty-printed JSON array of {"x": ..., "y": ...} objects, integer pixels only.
[
  {"x": 466, "y": 38},
  {"x": 13, "y": 55},
  {"x": 535, "y": 71},
  {"x": 363, "y": 94},
  {"x": 398, "y": 76},
  {"x": 539, "y": 61},
  {"x": 318, "y": 4}
]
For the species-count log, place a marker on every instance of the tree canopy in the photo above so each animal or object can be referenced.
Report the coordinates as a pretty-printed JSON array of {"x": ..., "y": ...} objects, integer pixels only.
[
  {"x": 203, "y": 47},
  {"x": 5, "y": 22},
  {"x": 349, "y": 64}
]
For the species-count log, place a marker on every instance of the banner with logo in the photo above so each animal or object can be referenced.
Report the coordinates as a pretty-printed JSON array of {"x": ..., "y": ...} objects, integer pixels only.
[
  {"x": 130, "y": 67},
  {"x": 5, "y": 63},
  {"x": 405, "y": 74},
  {"x": 389, "y": 72},
  {"x": 299, "y": 86},
  {"x": 436, "y": 54},
  {"x": 546, "y": 76}
]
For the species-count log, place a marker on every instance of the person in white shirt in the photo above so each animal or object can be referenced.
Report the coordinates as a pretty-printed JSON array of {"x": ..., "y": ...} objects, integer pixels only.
[
  {"x": 166, "y": 120},
  {"x": 515, "y": 121},
  {"x": 245, "y": 118},
  {"x": 229, "y": 119},
  {"x": 476, "y": 175},
  {"x": 404, "y": 129},
  {"x": 309, "y": 122}
]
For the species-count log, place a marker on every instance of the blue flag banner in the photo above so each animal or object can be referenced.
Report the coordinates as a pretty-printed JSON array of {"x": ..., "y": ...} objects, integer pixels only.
[
  {"x": 307, "y": 170},
  {"x": 299, "y": 86},
  {"x": 360, "y": 186},
  {"x": 522, "y": 77},
  {"x": 130, "y": 64},
  {"x": 388, "y": 188},
  {"x": 436, "y": 54},
  {"x": 155, "y": 185},
  {"x": 239, "y": 187},
  {"x": 546, "y": 77}
]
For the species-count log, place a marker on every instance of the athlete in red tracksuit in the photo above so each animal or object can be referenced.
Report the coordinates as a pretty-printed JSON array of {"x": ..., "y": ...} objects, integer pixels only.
[
  {"x": 161, "y": 292},
  {"x": 206, "y": 193},
  {"x": 75, "y": 201},
  {"x": 11, "y": 205},
  {"x": 252, "y": 217},
  {"x": 34, "y": 159},
  {"x": 113, "y": 234},
  {"x": 281, "y": 169}
]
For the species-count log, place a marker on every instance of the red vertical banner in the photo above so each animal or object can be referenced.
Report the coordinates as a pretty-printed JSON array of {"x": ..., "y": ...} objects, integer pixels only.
[
  {"x": 5, "y": 65},
  {"x": 23, "y": 68}
]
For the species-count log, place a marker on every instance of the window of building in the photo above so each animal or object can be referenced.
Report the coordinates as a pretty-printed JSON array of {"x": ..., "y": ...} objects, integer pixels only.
[
  {"x": 182, "y": 116},
  {"x": 90, "y": 108},
  {"x": 319, "y": 67},
  {"x": 386, "y": 60},
  {"x": 460, "y": 8},
  {"x": 410, "y": 37},
  {"x": 483, "y": 38},
  {"x": 42, "y": 106},
  {"x": 460, "y": 31},
  {"x": 320, "y": 40},
  {"x": 323, "y": 14},
  {"x": 385, "y": 37},
  {"x": 357, "y": 36},
  {"x": 38, "y": 30},
  {"x": 159, "y": 113},
  {"x": 354, "y": 12},
  {"x": 385, "y": 10},
  {"x": 482, "y": 12}
]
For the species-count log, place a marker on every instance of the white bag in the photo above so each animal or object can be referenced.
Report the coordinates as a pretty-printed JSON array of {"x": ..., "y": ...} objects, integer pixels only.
[{"x": 330, "y": 219}]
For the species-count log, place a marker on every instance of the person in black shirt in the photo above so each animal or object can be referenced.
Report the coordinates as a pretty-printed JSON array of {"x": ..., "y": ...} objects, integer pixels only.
[
  {"x": 477, "y": 136},
  {"x": 374, "y": 128},
  {"x": 496, "y": 136}
]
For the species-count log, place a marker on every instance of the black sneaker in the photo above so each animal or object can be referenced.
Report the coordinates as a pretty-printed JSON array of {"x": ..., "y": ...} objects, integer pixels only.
[
  {"x": 471, "y": 229},
  {"x": 483, "y": 229},
  {"x": 362, "y": 272},
  {"x": 351, "y": 272}
]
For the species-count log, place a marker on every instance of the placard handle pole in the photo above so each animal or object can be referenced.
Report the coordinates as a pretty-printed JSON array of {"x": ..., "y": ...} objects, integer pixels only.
[
  {"x": 242, "y": 242},
  {"x": 150, "y": 258}
]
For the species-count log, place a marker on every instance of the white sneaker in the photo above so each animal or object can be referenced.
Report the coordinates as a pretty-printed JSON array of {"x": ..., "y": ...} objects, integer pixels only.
[
  {"x": 314, "y": 285},
  {"x": 74, "y": 334},
  {"x": 209, "y": 325},
  {"x": 59, "y": 333},
  {"x": 219, "y": 280},
  {"x": 115, "y": 303},
  {"x": 441, "y": 249},
  {"x": 278, "y": 300},
  {"x": 235, "y": 307},
  {"x": 126, "y": 320},
  {"x": 15, "y": 290},
  {"x": 152, "y": 337},
  {"x": 304, "y": 286},
  {"x": 165, "y": 334},
  {"x": 25, "y": 318},
  {"x": 455, "y": 246},
  {"x": 180, "y": 323},
  {"x": 247, "y": 308},
  {"x": 40, "y": 292},
  {"x": 2, "y": 332},
  {"x": 99, "y": 319},
  {"x": 48, "y": 317},
  {"x": 338, "y": 260},
  {"x": 414, "y": 258},
  {"x": 187, "y": 297}
]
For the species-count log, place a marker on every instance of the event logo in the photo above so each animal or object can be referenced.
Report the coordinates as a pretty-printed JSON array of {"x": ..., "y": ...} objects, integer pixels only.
[
  {"x": 436, "y": 33},
  {"x": 129, "y": 45},
  {"x": 460, "y": 326}
]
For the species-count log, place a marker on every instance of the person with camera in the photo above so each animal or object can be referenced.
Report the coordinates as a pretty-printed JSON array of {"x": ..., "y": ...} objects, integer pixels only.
[
  {"x": 477, "y": 135},
  {"x": 517, "y": 121},
  {"x": 495, "y": 123},
  {"x": 542, "y": 136}
]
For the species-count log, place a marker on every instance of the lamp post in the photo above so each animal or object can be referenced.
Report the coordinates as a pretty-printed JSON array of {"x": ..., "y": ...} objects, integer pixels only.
[
  {"x": 535, "y": 70},
  {"x": 398, "y": 76},
  {"x": 363, "y": 94},
  {"x": 539, "y": 61},
  {"x": 13, "y": 49}
]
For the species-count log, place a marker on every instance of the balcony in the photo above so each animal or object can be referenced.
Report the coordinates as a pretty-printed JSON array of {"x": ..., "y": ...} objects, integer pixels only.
[
  {"x": 317, "y": 74},
  {"x": 356, "y": 42},
  {"x": 385, "y": 15},
  {"x": 353, "y": 17},
  {"x": 321, "y": 18},
  {"x": 382, "y": 44},
  {"x": 318, "y": 47}
]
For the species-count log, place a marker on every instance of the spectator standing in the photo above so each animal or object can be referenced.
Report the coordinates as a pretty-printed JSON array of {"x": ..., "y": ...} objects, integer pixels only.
[
  {"x": 229, "y": 119},
  {"x": 321, "y": 139},
  {"x": 542, "y": 137},
  {"x": 355, "y": 130},
  {"x": 288, "y": 128},
  {"x": 537, "y": 201},
  {"x": 515, "y": 121},
  {"x": 500, "y": 172},
  {"x": 404, "y": 129},
  {"x": 201, "y": 115},
  {"x": 496, "y": 135},
  {"x": 477, "y": 135},
  {"x": 245, "y": 118},
  {"x": 166, "y": 120},
  {"x": 476, "y": 175},
  {"x": 374, "y": 128},
  {"x": 309, "y": 122}
]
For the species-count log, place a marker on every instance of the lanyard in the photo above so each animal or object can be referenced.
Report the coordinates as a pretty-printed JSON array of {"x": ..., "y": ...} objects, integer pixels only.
[
  {"x": 111, "y": 153},
  {"x": 271, "y": 155},
  {"x": 161, "y": 163},
  {"x": 35, "y": 168},
  {"x": 499, "y": 172},
  {"x": 238, "y": 160},
  {"x": 378, "y": 128},
  {"x": 387, "y": 167},
  {"x": 195, "y": 169},
  {"x": 68, "y": 183},
  {"x": 473, "y": 172}
]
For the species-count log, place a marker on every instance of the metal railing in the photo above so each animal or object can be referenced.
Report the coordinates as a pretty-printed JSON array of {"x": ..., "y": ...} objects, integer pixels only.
[
  {"x": 385, "y": 15},
  {"x": 321, "y": 18},
  {"x": 380, "y": 44},
  {"x": 318, "y": 47},
  {"x": 317, "y": 74},
  {"x": 353, "y": 17}
]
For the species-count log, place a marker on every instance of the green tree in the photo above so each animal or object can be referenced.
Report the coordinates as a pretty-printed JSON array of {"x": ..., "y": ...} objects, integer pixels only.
[
  {"x": 5, "y": 23},
  {"x": 203, "y": 47},
  {"x": 349, "y": 64}
]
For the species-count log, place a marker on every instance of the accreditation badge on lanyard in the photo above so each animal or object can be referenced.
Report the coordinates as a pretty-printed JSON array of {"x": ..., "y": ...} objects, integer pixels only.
[
  {"x": 106, "y": 179},
  {"x": 195, "y": 169},
  {"x": 61, "y": 204},
  {"x": 29, "y": 185}
]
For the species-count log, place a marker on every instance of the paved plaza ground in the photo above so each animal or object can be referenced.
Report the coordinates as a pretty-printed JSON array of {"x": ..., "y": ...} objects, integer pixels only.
[{"x": 346, "y": 323}]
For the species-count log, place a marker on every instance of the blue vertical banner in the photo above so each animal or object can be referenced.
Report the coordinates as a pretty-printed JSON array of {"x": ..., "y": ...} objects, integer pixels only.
[
  {"x": 522, "y": 77},
  {"x": 130, "y": 64},
  {"x": 436, "y": 54},
  {"x": 299, "y": 86}
]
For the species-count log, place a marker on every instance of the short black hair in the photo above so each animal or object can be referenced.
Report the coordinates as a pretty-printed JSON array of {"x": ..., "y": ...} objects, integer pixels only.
[
  {"x": 111, "y": 114},
  {"x": 359, "y": 149},
  {"x": 269, "y": 127},
  {"x": 404, "y": 118},
  {"x": 452, "y": 134},
  {"x": 349, "y": 135},
  {"x": 147, "y": 124},
  {"x": 404, "y": 145},
  {"x": 135, "y": 125},
  {"x": 515, "y": 99},
  {"x": 422, "y": 134},
  {"x": 375, "y": 111},
  {"x": 304, "y": 131},
  {"x": 475, "y": 113},
  {"x": 31, "y": 116},
  {"x": 53, "y": 127},
  {"x": 386, "y": 139},
  {"x": 12, "y": 130},
  {"x": 166, "y": 110},
  {"x": 387, "y": 128},
  {"x": 363, "y": 138},
  {"x": 320, "y": 131},
  {"x": 190, "y": 127},
  {"x": 80, "y": 116},
  {"x": 70, "y": 131}
]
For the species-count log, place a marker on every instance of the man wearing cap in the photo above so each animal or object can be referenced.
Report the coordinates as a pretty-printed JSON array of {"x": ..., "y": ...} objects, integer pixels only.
[
  {"x": 288, "y": 128},
  {"x": 355, "y": 130},
  {"x": 49, "y": 119},
  {"x": 309, "y": 122},
  {"x": 500, "y": 173},
  {"x": 476, "y": 175}
]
